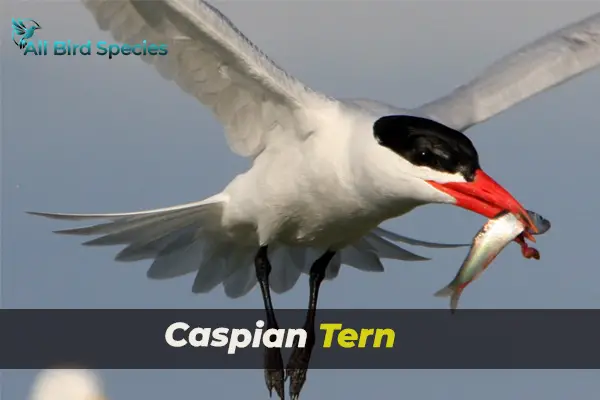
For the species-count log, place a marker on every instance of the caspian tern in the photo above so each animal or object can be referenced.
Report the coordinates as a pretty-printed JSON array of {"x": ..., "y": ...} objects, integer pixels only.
[{"x": 325, "y": 173}]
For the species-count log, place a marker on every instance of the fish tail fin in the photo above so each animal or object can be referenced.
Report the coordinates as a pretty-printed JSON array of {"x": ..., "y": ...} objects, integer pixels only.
[
  {"x": 454, "y": 301},
  {"x": 451, "y": 291},
  {"x": 446, "y": 291}
]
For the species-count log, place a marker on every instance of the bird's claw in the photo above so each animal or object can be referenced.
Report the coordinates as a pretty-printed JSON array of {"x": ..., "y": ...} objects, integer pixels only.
[
  {"x": 297, "y": 367},
  {"x": 274, "y": 375},
  {"x": 297, "y": 380}
]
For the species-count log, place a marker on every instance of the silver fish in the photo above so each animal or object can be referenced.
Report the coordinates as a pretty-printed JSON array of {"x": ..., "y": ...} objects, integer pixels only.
[
  {"x": 491, "y": 239},
  {"x": 541, "y": 223}
]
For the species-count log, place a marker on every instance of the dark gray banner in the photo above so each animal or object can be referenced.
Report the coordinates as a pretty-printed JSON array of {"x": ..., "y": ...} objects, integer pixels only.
[{"x": 351, "y": 339}]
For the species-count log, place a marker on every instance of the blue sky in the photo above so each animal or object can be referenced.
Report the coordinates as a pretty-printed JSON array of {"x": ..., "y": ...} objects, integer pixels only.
[{"x": 93, "y": 135}]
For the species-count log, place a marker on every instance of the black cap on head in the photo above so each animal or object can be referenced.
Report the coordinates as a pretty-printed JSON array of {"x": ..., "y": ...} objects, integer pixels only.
[{"x": 424, "y": 142}]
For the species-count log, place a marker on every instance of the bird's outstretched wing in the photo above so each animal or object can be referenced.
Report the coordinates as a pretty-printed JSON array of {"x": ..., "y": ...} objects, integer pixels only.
[
  {"x": 547, "y": 62},
  {"x": 19, "y": 27},
  {"x": 208, "y": 57}
]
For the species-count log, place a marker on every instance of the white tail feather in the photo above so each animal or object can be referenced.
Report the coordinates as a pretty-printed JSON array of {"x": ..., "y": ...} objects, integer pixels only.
[{"x": 187, "y": 238}]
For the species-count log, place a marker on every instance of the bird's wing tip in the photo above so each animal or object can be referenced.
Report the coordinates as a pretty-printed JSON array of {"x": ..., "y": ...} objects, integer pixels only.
[{"x": 47, "y": 214}]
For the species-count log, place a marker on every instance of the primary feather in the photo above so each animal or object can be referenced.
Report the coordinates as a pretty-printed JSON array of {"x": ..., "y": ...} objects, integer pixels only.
[
  {"x": 549, "y": 61},
  {"x": 210, "y": 59}
]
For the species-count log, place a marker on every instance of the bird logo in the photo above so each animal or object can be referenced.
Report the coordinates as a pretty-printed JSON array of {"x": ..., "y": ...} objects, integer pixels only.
[{"x": 23, "y": 30}]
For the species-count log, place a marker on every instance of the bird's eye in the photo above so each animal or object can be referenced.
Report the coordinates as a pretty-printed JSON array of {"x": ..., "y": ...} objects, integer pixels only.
[{"x": 425, "y": 157}]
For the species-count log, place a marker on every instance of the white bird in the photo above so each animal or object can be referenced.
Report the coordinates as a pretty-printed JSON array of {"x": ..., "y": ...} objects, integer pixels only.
[
  {"x": 325, "y": 173},
  {"x": 67, "y": 384}
]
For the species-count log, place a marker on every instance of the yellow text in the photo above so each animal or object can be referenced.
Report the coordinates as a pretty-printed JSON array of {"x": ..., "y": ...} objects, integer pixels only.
[{"x": 348, "y": 337}]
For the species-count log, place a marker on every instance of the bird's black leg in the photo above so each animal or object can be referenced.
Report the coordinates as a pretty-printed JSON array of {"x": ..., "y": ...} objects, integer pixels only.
[
  {"x": 273, "y": 363},
  {"x": 298, "y": 362}
]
